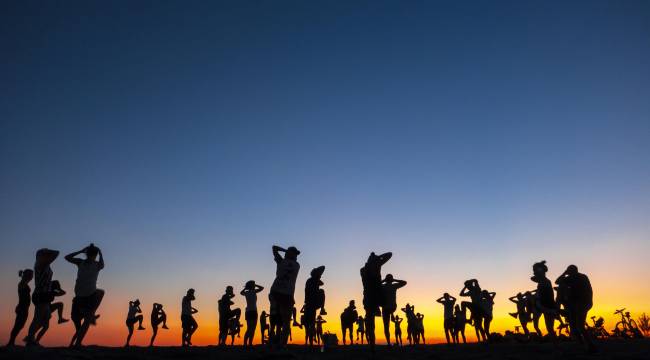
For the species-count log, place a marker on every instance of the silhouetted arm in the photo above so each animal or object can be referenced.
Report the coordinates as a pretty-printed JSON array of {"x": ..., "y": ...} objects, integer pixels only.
[
  {"x": 194, "y": 311},
  {"x": 383, "y": 258},
  {"x": 493, "y": 295},
  {"x": 276, "y": 253},
  {"x": 464, "y": 292},
  {"x": 101, "y": 258},
  {"x": 514, "y": 299},
  {"x": 71, "y": 258},
  {"x": 399, "y": 283},
  {"x": 258, "y": 288},
  {"x": 561, "y": 278},
  {"x": 440, "y": 300},
  {"x": 243, "y": 292}
]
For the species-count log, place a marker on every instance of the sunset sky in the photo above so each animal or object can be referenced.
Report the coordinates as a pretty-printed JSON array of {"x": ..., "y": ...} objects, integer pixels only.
[{"x": 471, "y": 139}]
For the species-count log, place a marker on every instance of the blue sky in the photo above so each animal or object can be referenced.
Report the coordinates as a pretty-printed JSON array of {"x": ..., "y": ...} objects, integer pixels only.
[{"x": 186, "y": 138}]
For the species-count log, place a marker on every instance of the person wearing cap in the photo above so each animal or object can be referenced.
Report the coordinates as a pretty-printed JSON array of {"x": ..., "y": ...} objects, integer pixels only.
[
  {"x": 389, "y": 288},
  {"x": 578, "y": 302},
  {"x": 348, "y": 318},
  {"x": 87, "y": 297},
  {"x": 188, "y": 323},
  {"x": 250, "y": 293},
  {"x": 314, "y": 300},
  {"x": 41, "y": 295},
  {"x": 282, "y": 292},
  {"x": 226, "y": 314},
  {"x": 133, "y": 316}
]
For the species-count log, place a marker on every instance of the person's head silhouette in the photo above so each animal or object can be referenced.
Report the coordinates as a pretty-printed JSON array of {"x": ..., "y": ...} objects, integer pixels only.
[
  {"x": 540, "y": 268},
  {"x": 292, "y": 253},
  {"x": 250, "y": 285},
  {"x": 389, "y": 278},
  {"x": 572, "y": 270},
  {"x": 190, "y": 294},
  {"x": 446, "y": 296},
  {"x": 352, "y": 305},
  {"x": 26, "y": 275},
  {"x": 91, "y": 252},
  {"x": 230, "y": 291},
  {"x": 316, "y": 273}
]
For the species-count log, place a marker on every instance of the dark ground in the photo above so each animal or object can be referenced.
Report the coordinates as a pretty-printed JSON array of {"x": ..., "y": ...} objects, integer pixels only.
[{"x": 612, "y": 349}]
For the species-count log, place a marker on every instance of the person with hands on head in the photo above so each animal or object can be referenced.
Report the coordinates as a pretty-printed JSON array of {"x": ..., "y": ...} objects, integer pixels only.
[
  {"x": 87, "y": 296},
  {"x": 389, "y": 288},
  {"x": 448, "y": 303},
  {"x": 281, "y": 296},
  {"x": 250, "y": 291}
]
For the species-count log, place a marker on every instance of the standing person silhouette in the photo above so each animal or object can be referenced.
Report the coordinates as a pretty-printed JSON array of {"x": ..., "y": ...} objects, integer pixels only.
[
  {"x": 473, "y": 290},
  {"x": 158, "y": 316},
  {"x": 133, "y": 316},
  {"x": 319, "y": 329},
  {"x": 41, "y": 295},
  {"x": 22, "y": 309},
  {"x": 420, "y": 327},
  {"x": 187, "y": 318},
  {"x": 314, "y": 300},
  {"x": 55, "y": 307},
  {"x": 487, "y": 303},
  {"x": 448, "y": 303},
  {"x": 282, "y": 291},
  {"x": 250, "y": 293},
  {"x": 87, "y": 296},
  {"x": 225, "y": 314},
  {"x": 521, "y": 314},
  {"x": 389, "y": 288},
  {"x": 372, "y": 292},
  {"x": 544, "y": 297},
  {"x": 460, "y": 319},
  {"x": 409, "y": 311},
  {"x": 361, "y": 329},
  {"x": 264, "y": 327},
  {"x": 398, "y": 330},
  {"x": 348, "y": 318},
  {"x": 578, "y": 302}
]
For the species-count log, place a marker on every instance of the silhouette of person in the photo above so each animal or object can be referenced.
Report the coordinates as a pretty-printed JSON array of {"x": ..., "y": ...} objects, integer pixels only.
[
  {"x": 521, "y": 314},
  {"x": 389, "y": 288},
  {"x": 133, "y": 316},
  {"x": 361, "y": 329},
  {"x": 473, "y": 290},
  {"x": 264, "y": 327},
  {"x": 55, "y": 307},
  {"x": 22, "y": 309},
  {"x": 460, "y": 319},
  {"x": 544, "y": 297},
  {"x": 487, "y": 302},
  {"x": 448, "y": 303},
  {"x": 348, "y": 318},
  {"x": 372, "y": 291},
  {"x": 398, "y": 330},
  {"x": 578, "y": 302},
  {"x": 420, "y": 327},
  {"x": 42, "y": 292},
  {"x": 319, "y": 329},
  {"x": 250, "y": 293},
  {"x": 226, "y": 313},
  {"x": 282, "y": 291},
  {"x": 188, "y": 323},
  {"x": 409, "y": 311},
  {"x": 158, "y": 316},
  {"x": 234, "y": 328},
  {"x": 87, "y": 296},
  {"x": 314, "y": 300}
]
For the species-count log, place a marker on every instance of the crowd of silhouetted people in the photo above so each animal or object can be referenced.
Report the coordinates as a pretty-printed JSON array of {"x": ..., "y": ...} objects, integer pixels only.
[{"x": 568, "y": 303}]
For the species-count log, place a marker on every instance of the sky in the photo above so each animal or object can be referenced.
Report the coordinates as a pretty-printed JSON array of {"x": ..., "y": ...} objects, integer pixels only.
[{"x": 471, "y": 139}]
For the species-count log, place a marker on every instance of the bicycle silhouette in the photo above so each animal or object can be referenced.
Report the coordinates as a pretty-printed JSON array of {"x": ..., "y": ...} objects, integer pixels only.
[
  {"x": 598, "y": 330},
  {"x": 627, "y": 327}
]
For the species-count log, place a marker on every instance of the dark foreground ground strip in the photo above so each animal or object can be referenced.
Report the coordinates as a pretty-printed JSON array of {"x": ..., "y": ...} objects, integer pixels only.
[{"x": 631, "y": 349}]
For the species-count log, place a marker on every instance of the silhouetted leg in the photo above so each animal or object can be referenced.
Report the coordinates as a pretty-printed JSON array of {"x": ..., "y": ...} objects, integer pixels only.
[
  {"x": 58, "y": 307},
  {"x": 19, "y": 324},
  {"x": 536, "y": 317},
  {"x": 385, "y": 315},
  {"x": 370, "y": 327},
  {"x": 154, "y": 329},
  {"x": 129, "y": 325}
]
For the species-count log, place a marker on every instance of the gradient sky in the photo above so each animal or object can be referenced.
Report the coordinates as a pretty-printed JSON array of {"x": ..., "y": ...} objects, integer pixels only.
[{"x": 472, "y": 139}]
